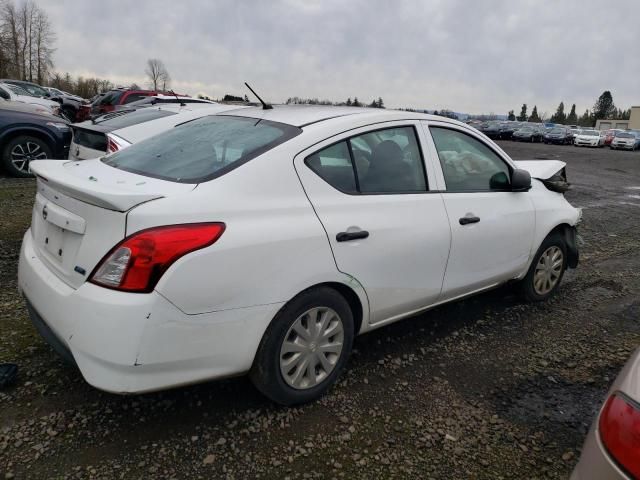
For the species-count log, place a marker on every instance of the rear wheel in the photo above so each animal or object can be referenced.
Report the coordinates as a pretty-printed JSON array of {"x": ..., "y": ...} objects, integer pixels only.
[
  {"x": 305, "y": 348},
  {"x": 20, "y": 151},
  {"x": 546, "y": 270}
]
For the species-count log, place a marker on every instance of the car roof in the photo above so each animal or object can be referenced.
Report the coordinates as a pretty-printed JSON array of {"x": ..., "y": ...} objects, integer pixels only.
[{"x": 304, "y": 115}]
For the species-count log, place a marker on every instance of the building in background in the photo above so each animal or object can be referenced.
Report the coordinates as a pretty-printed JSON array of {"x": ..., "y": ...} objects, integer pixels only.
[{"x": 633, "y": 123}]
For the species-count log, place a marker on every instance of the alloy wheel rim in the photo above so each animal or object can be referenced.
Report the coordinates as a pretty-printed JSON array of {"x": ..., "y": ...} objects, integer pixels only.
[
  {"x": 23, "y": 153},
  {"x": 311, "y": 348},
  {"x": 548, "y": 270}
]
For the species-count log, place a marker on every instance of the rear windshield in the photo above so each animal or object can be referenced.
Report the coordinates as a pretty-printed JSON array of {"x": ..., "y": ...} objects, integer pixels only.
[
  {"x": 126, "y": 119},
  {"x": 202, "y": 149},
  {"x": 109, "y": 98}
]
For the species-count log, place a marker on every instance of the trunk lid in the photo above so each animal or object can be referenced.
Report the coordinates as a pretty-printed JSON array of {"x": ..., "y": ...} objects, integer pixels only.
[{"x": 80, "y": 212}]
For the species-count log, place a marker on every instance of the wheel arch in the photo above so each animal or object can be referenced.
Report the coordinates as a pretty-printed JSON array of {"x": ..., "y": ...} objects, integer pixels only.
[
  {"x": 569, "y": 235},
  {"x": 12, "y": 133}
]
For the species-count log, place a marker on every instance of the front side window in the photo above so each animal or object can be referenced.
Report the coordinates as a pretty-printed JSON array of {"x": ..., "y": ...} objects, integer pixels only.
[
  {"x": 382, "y": 161},
  {"x": 202, "y": 149},
  {"x": 467, "y": 163}
]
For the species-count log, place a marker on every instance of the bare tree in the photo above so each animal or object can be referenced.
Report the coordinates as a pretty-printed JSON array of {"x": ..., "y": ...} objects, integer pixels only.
[
  {"x": 159, "y": 78},
  {"x": 26, "y": 41}
]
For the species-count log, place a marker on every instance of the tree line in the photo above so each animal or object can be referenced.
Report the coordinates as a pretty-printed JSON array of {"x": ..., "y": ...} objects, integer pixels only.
[
  {"x": 603, "y": 109},
  {"x": 375, "y": 103}
]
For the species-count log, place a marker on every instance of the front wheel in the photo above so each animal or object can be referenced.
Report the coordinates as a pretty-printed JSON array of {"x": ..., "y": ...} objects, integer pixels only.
[
  {"x": 20, "y": 151},
  {"x": 305, "y": 348},
  {"x": 546, "y": 270}
]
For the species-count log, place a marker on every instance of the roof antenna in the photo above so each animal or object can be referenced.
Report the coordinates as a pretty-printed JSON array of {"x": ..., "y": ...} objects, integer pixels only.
[
  {"x": 182, "y": 104},
  {"x": 265, "y": 106}
]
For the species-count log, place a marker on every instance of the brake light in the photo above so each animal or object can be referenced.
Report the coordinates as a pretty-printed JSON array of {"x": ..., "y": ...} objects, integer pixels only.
[
  {"x": 139, "y": 261},
  {"x": 619, "y": 427},
  {"x": 114, "y": 143}
]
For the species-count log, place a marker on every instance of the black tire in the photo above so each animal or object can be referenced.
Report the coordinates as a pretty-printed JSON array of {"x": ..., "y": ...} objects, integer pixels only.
[
  {"x": 527, "y": 287},
  {"x": 24, "y": 143},
  {"x": 265, "y": 372}
]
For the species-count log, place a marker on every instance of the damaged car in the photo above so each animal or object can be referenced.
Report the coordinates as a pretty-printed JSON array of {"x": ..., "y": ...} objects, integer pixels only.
[{"x": 263, "y": 240}]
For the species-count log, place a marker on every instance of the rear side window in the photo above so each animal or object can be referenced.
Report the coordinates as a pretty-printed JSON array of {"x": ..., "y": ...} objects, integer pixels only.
[
  {"x": 333, "y": 165},
  {"x": 202, "y": 149},
  {"x": 382, "y": 161}
]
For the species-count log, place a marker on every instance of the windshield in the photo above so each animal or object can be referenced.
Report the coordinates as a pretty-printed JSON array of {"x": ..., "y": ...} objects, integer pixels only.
[
  {"x": 625, "y": 135},
  {"x": 202, "y": 149},
  {"x": 18, "y": 90},
  {"x": 558, "y": 130},
  {"x": 33, "y": 90},
  {"x": 590, "y": 133},
  {"x": 526, "y": 130}
]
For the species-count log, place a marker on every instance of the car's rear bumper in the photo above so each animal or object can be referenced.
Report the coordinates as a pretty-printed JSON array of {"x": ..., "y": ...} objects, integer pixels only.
[{"x": 132, "y": 343}]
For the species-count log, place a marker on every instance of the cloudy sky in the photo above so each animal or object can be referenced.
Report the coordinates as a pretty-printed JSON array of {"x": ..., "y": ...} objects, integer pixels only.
[{"x": 468, "y": 56}]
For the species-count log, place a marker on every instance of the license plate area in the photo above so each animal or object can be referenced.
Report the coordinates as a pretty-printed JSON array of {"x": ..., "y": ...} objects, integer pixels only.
[{"x": 53, "y": 241}]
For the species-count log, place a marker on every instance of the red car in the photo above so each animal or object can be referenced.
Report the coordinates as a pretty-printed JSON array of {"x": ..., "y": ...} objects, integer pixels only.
[
  {"x": 609, "y": 135},
  {"x": 107, "y": 102}
]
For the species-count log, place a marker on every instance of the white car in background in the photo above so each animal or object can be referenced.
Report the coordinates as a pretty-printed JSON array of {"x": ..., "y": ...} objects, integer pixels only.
[
  {"x": 264, "y": 240},
  {"x": 589, "y": 138},
  {"x": 117, "y": 130},
  {"x": 18, "y": 94}
]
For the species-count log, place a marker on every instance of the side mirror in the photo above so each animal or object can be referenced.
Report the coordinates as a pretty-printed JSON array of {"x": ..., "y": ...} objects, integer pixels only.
[{"x": 520, "y": 180}]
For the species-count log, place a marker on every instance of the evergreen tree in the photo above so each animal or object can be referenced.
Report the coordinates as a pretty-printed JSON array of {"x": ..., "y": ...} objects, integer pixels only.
[
  {"x": 511, "y": 116},
  {"x": 356, "y": 103},
  {"x": 572, "y": 119},
  {"x": 559, "y": 116},
  {"x": 435, "y": 112},
  {"x": 534, "y": 115},
  {"x": 373, "y": 104},
  {"x": 604, "y": 107},
  {"x": 586, "y": 120},
  {"x": 349, "y": 101},
  {"x": 380, "y": 103},
  {"x": 523, "y": 113}
]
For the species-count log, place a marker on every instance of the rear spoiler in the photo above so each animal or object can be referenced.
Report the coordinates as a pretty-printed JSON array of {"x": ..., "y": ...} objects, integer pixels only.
[{"x": 53, "y": 174}]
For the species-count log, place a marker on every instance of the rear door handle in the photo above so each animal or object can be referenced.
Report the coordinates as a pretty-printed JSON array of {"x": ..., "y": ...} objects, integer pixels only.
[
  {"x": 468, "y": 220},
  {"x": 346, "y": 236}
]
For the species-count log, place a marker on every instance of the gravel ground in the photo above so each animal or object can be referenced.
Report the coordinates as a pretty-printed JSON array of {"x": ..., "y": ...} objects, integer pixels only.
[{"x": 486, "y": 388}]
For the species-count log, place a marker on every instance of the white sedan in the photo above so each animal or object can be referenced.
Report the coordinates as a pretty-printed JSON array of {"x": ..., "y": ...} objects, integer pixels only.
[
  {"x": 264, "y": 240},
  {"x": 589, "y": 138},
  {"x": 16, "y": 93}
]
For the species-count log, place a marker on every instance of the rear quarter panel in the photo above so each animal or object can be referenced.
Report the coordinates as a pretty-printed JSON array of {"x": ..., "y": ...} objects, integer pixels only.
[{"x": 273, "y": 247}]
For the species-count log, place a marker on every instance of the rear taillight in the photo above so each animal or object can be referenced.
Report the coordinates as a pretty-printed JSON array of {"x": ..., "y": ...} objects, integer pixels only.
[
  {"x": 137, "y": 263},
  {"x": 114, "y": 143},
  {"x": 619, "y": 427}
]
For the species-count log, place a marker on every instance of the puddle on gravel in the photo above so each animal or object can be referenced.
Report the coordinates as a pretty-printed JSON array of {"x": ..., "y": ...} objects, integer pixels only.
[{"x": 564, "y": 408}]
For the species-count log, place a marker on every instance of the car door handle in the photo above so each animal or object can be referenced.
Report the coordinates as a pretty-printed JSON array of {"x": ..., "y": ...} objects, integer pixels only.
[
  {"x": 468, "y": 220},
  {"x": 346, "y": 236}
]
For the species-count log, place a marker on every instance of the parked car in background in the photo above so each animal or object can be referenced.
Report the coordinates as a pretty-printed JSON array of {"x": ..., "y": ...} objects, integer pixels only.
[
  {"x": 627, "y": 140},
  {"x": 558, "y": 135},
  {"x": 117, "y": 130},
  {"x": 612, "y": 448},
  {"x": 54, "y": 92},
  {"x": 610, "y": 134},
  {"x": 574, "y": 131},
  {"x": 16, "y": 93},
  {"x": 527, "y": 134},
  {"x": 27, "y": 134},
  {"x": 32, "y": 88},
  {"x": 589, "y": 138},
  {"x": 108, "y": 102},
  {"x": 69, "y": 104},
  {"x": 160, "y": 99},
  {"x": 507, "y": 129},
  {"x": 492, "y": 130},
  {"x": 160, "y": 265}
]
